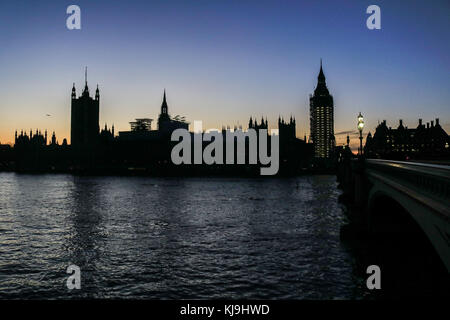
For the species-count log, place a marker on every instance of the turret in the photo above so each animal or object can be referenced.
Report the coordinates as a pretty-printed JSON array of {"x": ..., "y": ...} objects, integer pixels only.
[
  {"x": 74, "y": 94},
  {"x": 97, "y": 94},
  {"x": 164, "y": 107},
  {"x": 86, "y": 89}
]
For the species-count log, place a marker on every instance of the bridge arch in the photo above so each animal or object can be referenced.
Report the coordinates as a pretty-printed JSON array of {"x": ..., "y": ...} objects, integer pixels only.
[
  {"x": 405, "y": 211},
  {"x": 402, "y": 247},
  {"x": 386, "y": 215}
]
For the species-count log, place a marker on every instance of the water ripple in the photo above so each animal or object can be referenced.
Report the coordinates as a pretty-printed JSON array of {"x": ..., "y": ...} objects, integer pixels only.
[{"x": 136, "y": 237}]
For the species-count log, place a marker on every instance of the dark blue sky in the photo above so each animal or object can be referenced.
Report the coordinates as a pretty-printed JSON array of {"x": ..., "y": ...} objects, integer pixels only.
[{"x": 223, "y": 61}]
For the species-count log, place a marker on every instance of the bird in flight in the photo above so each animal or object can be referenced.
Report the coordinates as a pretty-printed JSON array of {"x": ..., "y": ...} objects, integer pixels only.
[{"x": 48, "y": 115}]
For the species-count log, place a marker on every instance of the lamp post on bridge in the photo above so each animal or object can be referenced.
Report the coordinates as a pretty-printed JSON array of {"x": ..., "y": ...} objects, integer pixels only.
[{"x": 360, "y": 128}]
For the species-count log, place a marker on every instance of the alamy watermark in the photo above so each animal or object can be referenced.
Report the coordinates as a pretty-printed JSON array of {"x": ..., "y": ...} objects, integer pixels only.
[
  {"x": 374, "y": 20},
  {"x": 374, "y": 280},
  {"x": 74, "y": 280},
  {"x": 74, "y": 20},
  {"x": 256, "y": 142}
]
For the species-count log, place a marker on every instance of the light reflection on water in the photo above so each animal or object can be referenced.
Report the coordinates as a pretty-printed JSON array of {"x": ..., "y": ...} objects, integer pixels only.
[{"x": 184, "y": 238}]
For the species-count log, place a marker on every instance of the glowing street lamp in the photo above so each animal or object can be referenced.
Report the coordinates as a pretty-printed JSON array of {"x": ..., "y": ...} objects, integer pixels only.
[{"x": 360, "y": 128}]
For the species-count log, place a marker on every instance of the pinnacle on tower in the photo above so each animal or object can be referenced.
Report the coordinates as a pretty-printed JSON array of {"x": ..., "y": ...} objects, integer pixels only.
[
  {"x": 74, "y": 93},
  {"x": 164, "y": 107},
  {"x": 97, "y": 94},
  {"x": 321, "y": 77},
  {"x": 86, "y": 89}
]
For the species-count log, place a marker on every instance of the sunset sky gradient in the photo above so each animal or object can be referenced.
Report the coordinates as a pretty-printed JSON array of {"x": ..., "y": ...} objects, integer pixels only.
[{"x": 224, "y": 61}]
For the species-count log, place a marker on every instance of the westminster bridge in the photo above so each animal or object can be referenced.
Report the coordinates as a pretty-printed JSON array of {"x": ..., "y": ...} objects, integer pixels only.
[{"x": 388, "y": 197}]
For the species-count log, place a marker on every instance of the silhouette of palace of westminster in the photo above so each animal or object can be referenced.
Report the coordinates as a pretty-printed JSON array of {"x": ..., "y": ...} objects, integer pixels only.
[{"x": 145, "y": 151}]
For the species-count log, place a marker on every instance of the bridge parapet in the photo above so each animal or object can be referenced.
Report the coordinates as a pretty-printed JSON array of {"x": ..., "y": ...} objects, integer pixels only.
[
  {"x": 430, "y": 183},
  {"x": 383, "y": 196}
]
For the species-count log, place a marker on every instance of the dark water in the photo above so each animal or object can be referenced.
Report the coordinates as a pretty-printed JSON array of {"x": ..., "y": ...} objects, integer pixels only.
[{"x": 143, "y": 237}]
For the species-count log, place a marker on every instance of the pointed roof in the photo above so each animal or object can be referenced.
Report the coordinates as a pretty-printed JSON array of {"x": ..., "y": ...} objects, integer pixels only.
[
  {"x": 321, "y": 77},
  {"x": 86, "y": 89},
  {"x": 321, "y": 88},
  {"x": 164, "y": 115},
  {"x": 164, "y": 103}
]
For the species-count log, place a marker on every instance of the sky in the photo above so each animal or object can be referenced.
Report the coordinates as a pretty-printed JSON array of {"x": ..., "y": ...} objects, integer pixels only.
[{"x": 224, "y": 61}]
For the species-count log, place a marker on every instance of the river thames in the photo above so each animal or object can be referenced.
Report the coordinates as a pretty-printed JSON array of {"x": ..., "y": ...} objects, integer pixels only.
[{"x": 170, "y": 238}]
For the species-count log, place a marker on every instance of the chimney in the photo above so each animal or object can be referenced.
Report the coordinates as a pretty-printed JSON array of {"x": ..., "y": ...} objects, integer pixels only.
[
  {"x": 401, "y": 122},
  {"x": 437, "y": 121},
  {"x": 428, "y": 125},
  {"x": 432, "y": 123},
  {"x": 420, "y": 122}
]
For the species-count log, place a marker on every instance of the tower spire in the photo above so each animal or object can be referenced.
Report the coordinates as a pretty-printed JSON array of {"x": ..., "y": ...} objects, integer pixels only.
[
  {"x": 86, "y": 89},
  {"x": 97, "y": 94},
  {"x": 74, "y": 94},
  {"x": 321, "y": 76},
  {"x": 164, "y": 104}
]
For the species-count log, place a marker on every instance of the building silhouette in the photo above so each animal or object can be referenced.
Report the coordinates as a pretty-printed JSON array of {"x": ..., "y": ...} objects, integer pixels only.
[
  {"x": 143, "y": 149},
  {"x": 253, "y": 124},
  {"x": 84, "y": 125},
  {"x": 24, "y": 140},
  {"x": 403, "y": 143},
  {"x": 167, "y": 124},
  {"x": 164, "y": 117},
  {"x": 287, "y": 129},
  {"x": 107, "y": 134},
  {"x": 322, "y": 119},
  {"x": 141, "y": 128}
]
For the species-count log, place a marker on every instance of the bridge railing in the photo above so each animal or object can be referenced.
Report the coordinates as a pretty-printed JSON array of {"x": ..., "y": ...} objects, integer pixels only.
[{"x": 429, "y": 180}]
